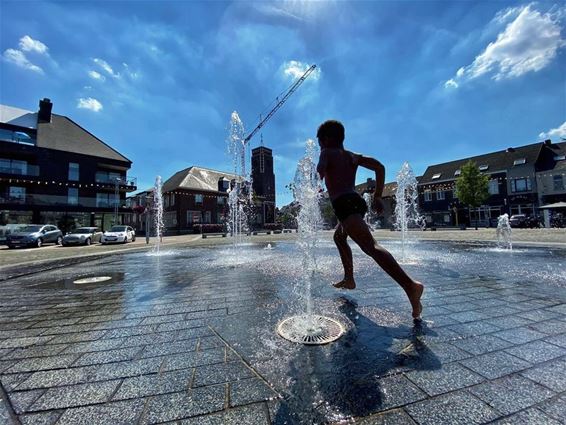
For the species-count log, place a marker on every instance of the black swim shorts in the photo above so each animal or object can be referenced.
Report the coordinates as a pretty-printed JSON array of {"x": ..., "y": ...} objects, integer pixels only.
[{"x": 348, "y": 204}]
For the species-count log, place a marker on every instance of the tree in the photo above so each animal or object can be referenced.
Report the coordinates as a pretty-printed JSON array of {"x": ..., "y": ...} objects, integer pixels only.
[{"x": 472, "y": 187}]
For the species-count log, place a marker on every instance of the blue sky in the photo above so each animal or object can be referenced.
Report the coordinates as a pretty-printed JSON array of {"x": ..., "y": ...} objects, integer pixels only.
[{"x": 418, "y": 81}]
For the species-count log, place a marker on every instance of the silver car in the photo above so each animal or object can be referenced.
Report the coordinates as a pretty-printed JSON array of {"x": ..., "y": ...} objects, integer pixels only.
[{"x": 82, "y": 236}]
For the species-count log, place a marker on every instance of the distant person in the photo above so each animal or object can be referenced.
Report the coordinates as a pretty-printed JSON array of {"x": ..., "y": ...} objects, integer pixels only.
[{"x": 338, "y": 167}]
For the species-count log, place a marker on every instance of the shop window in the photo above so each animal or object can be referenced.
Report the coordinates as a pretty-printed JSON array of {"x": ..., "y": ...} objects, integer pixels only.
[
  {"x": 199, "y": 199},
  {"x": 522, "y": 184},
  {"x": 193, "y": 217},
  {"x": 73, "y": 196},
  {"x": 558, "y": 182},
  {"x": 73, "y": 171},
  {"x": 17, "y": 194},
  {"x": 493, "y": 187}
]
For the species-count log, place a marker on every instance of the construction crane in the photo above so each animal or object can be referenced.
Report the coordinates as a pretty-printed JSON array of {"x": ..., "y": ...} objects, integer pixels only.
[{"x": 292, "y": 90}]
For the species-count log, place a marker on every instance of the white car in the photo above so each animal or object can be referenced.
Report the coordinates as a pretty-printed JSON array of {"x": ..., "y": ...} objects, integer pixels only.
[{"x": 118, "y": 234}]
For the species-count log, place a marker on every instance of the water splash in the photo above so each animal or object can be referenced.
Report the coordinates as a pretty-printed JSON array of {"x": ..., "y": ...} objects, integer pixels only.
[
  {"x": 504, "y": 239},
  {"x": 406, "y": 208},
  {"x": 370, "y": 215},
  {"x": 307, "y": 193},
  {"x": 158, "y": 209},
  {"x": 240, "y": 194}
]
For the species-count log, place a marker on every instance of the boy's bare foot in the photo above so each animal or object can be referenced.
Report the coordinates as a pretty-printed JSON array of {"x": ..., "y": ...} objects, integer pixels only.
[
  {"x": 415, "y": 298},
  {"x": 345, "y": 284}
]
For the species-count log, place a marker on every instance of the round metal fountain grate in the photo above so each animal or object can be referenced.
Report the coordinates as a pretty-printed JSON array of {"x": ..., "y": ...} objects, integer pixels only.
[
  {"x": 310, "y": 330},
  {"x": 95, "y": 279}
]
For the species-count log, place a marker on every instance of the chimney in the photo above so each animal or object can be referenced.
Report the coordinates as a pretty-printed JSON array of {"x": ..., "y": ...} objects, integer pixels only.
[
  {"x": 44, "y": 114},
  {"x": 548, "y": 142},
  {"x": 510, "y": 150}
]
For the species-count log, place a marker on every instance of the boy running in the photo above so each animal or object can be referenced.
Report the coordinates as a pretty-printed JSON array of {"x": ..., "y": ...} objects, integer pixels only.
[{"x": 338, "y": 167}]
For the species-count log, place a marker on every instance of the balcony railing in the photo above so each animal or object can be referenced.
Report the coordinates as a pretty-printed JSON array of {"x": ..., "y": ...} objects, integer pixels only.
[
  {"x": 61, "y": 201},
  {"x": 29, "y": 170},
  {"x": 17, "y": 137},
  {"x": 122, "y": 181}
]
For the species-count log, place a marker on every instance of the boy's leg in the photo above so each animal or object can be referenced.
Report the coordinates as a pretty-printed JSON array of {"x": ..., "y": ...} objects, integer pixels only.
[
  {"x": 357, "y": 229},
  {"x": 341, "y": 241}
]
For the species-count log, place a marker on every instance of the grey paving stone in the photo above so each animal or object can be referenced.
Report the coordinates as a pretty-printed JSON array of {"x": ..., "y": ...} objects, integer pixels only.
[
  {"x": 75, "y": 395},
  {"x": 528, "y": 417},
  {"x": 22, "y": 400},
  {"x": 92, "y": 346},
  {"x": 172, "y": 347},
  {"x": 519, "y": 336},
  {"x": 35, "y": 351},
  {"x": 396, "y": 391},
  {"x": 474, "y": 328},
  {"x": 393, "y": 417},
  {"x": 538, "y": 315},
  {"x": 446, "y": 352},
  {"x": 199, "y": 401},
  {"x": 43, "y": 418},
  {"x": 210, "y": 342},
  {"x": 555, "y": 408},
  {"x": 559, "y": 340},
  {"x": 52, "y": 378},
  {"x": 561, "y": 308},
  {"x": 77, "y": 337},
  {"x": 551, "y": 375},
  {"x": 511, "y": 393},
  {"x": 244, "y": 415},
  {"x": 495, "y": 365},
  {"x": 101, "y": 357},
  {"x": 116, "y": 324},
  {"x": 537, "y": 351},
  {"x": 145, "y": 385},
  {"x": 450, "y": 377},
  {"x": 126, "y": 369},
  {"x": 439, "y": 320},
  {"x": 127, "y": 332},
  {"x": 193, "y": 359},
  {"x": 42, "y": 363},
  {"x": 197, "y": 332},
  {"x": 147, "y": 339},
  {"x": 550, "y": 327},
  {"x": 11, "y": 382},
  {"x": 509, "y": 322},
  {"x": 116, "y": 413},
  {"x": 457, "y": 408},
  {"x": 25, "y": 341},
  {"x": 481, "y": 344},
  {"x": 185, "y": 324},
  {"x": 163, "y": 319},
  {"x": 469, "y": 316},
  {"x": 249, "y": 391},
  {"x": 218, "y": 373}
]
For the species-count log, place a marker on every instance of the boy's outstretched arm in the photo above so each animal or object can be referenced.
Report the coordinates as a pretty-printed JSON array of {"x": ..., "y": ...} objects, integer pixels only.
[{"x": 375, "y": 165}]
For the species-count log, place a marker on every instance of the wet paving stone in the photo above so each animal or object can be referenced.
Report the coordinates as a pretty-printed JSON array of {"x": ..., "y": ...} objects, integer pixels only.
[
  {"x": 394, "y": 417},
  {"x": 193, "y": 359},
  {"x": 199, "y": 401},
  {"x": 245, "y": 415},
  {"x": 22, "y": 400},
  {"x": 511, "y": 393},
  {"x": 115, "y": 413},
  {"x": 249, "y": 391},
  {"x": 457, "y": 408},
  {"x": 126, "y": 369},
  {"x": 537, "y": 351},
  {"x": 146, "y": 385},
  {"x": 219, "y": 373},
  {"x": 555, "y": 408},
  {"x": 75, "y": 395},
  {"x": 482, "y": 344},
  {"x": 448, "y": 378},
  {"x": 170, "y": 348},
  {"x": 551, "y": 374},
  {"x": 42, "y": 418},
  {"x": 52, "y": 378},
  {"x": 42, "y": 363},
  {"x": 495, "y": 365},
  {"x": 519, "y": 336},
  {"x": 110, "y": 356},
  {"x": 528, "y": 417}
]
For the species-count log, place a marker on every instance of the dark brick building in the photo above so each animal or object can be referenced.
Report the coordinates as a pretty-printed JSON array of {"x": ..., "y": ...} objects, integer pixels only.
[
  {"x": 263, "y": 184},
  {"x": 54, "y": 171}
]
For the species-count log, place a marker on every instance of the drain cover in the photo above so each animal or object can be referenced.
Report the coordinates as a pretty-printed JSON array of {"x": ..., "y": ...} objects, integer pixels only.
[
  {"x": 310, "y": 330},
  {"x": 95, "y": 279}
]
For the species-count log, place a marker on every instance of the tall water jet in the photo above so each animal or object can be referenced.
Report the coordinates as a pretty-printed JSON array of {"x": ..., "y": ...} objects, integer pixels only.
[
  {"x": 370, "y": 215},
  {"x": 309, "y": 328},
  {"x": 158, "y": 211},
  {"x": 406, "y": 208},
  {"x": 504, "y": 239},
  {"x": 239, "y": 197}
]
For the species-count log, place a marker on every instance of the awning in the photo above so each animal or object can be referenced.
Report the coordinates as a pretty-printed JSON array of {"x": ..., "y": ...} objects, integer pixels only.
[{"x": 555, "y": 205}]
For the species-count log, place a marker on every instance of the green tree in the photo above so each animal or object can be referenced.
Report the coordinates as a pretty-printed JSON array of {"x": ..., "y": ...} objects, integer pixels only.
[{"x": 472, "y": 187}]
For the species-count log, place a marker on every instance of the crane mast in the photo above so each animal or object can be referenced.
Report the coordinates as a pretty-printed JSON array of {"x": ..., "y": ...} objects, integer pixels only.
[{"x": 292, "y": 90}]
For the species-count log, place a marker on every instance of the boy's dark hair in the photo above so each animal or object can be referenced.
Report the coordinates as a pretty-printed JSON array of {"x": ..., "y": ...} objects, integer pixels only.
[{"x": 332, "y": 129}]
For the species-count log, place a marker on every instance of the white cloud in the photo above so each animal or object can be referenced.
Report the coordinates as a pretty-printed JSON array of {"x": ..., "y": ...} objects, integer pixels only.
[
  {"x": 89, "y": 103},
  {"x": 296, "y": 69},
  {"x": 18, "y": 58},
  {"x": 529, "y": 43},
  {"x": 96, "y": 76},
  {"x": 28, "y": 44},
  {"x": 555, "y": 133},
  {"x": 105, "y": 66}
]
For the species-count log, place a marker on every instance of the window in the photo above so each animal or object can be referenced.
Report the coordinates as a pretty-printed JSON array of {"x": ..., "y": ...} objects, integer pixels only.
[
  {"x": 560, "y": 157},
  {"x": 436, "y": 176},
  {"x": 13, "y": 166},
  {"x": 193, "y": 217},
  {"x": 440, "y": 195},
  {"x": 483, "y": 167},
  {"x": 171, "y": 199},
  {"x": 220, "y": 200},
  {"x": 165, "y": 200},
  {"x": 17, "y": 194},
  {"x": 207, "y": 217},
  {"x": 493, "y": 187},
  {"x": 519, "y": 161},
  {"x": 170, "y": 219},
  {"x": 522, "y": 184},
  {"x": 427, "y": 195},
  {"x": 73, "y": 171},
  {"x": 108, "y": 177},
  {"x": 199, "y": 199},
  {"x": 558, "y": 182},
  {"x": 16, "y": 137},
  {"x": 73, "y": 196},
  {"x": 107, "y": 200},
  {"x": 457, "y": 173}
]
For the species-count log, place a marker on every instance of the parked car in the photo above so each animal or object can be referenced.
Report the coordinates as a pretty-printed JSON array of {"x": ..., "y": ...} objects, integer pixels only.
[
  {"x": 82, "y": 236},
  {"x": 118, "y": 234},
  {"x": 7, "y": 229},
  {"x": 522, "y": 220},
  {"x": 35, "y": 235}
]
